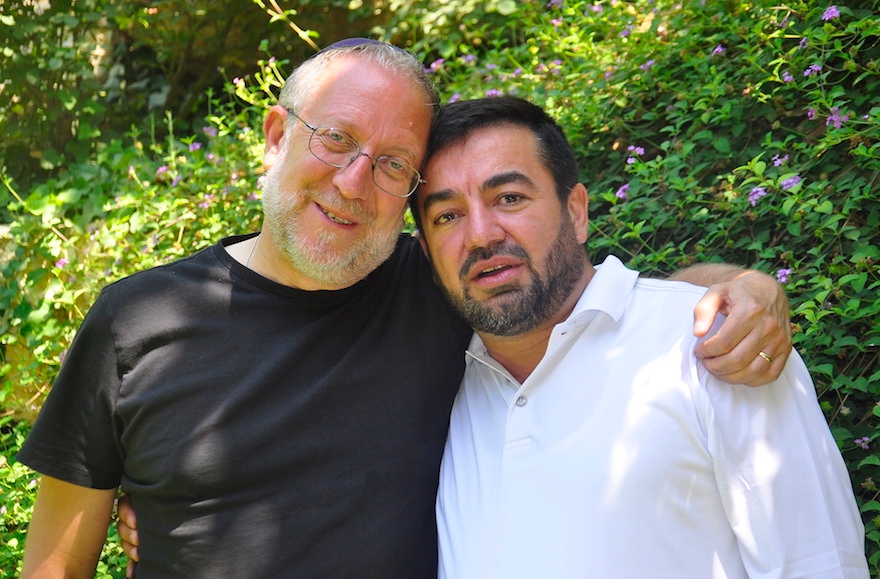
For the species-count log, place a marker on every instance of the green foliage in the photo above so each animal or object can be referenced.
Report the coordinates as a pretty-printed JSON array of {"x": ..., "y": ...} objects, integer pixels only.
[
  {"x": 747, "y": 132},
  {"x": 52, "y": 108}
]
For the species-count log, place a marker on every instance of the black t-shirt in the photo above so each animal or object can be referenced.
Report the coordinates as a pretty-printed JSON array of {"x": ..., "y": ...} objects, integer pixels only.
[{"x": 262, "y": 431}]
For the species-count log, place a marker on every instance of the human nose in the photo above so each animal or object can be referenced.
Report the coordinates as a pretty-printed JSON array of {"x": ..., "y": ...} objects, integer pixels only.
[
  {"x": 483, "y": 228},
  {"x": 355, "y": 180}
]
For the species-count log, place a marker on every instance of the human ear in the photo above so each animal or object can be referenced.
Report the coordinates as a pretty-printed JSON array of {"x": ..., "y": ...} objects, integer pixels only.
[
  {"x": 578, "y": 211},
  {"x": 273, "y": 130}
]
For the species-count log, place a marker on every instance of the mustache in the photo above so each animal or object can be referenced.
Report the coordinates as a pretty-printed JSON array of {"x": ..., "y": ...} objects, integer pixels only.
[{"x": 484, "y": 253}]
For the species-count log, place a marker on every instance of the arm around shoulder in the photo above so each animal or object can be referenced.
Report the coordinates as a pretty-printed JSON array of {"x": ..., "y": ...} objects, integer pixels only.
[
  {"x": 67, "y": 530},
  {"x": 752, "y": 345}
]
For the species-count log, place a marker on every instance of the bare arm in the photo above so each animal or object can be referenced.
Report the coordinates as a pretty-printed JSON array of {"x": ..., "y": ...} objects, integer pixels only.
[
  {"x": 757, "y": 323},
  {"x": 67, "y": 530}
]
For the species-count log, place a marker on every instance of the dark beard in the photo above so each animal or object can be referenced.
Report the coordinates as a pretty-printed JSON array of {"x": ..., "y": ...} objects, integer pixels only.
[{"x": 532, "y": 305}]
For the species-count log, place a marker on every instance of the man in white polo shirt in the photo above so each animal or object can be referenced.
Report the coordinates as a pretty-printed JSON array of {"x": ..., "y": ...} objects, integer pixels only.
[{"x": 587, "y": 440}]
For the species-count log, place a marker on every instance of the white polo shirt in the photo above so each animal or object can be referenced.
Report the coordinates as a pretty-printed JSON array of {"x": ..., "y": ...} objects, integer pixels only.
[{"x": 622, "y": 457}]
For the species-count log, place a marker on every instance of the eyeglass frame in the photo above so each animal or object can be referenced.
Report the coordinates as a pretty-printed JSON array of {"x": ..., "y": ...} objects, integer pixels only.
[{"x": 375, "y": 160}]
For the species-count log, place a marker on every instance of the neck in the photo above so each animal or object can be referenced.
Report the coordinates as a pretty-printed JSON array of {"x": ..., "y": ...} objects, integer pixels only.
[{"x": 521, "y": 354}]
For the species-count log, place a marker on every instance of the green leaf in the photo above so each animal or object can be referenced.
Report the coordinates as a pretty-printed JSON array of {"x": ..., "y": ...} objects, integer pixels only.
[
  {"x": 721, "y": 144},
  {"x": 506, "y": 7}
]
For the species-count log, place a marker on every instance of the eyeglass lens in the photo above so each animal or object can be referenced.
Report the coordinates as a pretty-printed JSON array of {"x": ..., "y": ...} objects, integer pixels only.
[{"x": 392, "y": 174}]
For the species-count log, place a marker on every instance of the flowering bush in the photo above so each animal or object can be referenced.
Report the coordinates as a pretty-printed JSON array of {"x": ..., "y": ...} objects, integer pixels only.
[{"x": 735, "y": 131}]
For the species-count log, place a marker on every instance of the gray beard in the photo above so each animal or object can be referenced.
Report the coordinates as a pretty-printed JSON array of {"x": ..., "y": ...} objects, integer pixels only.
[{"x": 309, "y": 252}]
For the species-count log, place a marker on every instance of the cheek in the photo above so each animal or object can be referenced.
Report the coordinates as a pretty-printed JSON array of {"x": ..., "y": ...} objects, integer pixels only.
[
  {"x": 389, "y": 210},
  {"x": 445, "y": 260}
]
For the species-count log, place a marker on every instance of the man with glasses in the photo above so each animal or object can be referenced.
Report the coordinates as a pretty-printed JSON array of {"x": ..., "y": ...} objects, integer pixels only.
[{"x": 276, "y": 405}]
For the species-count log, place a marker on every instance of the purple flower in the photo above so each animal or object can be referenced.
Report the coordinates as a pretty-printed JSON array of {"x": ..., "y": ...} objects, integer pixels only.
[
  {"x": 435, "y": 66},
  {"x": 61, "y": 263},
  {"x": 831, "y": 13},
  {"x": 719, "y": 50},
  {"x": 756, "y": 194},
  {"x": 648, "y": 64},
  {"x": 556, "y": 22},
  {"x": 195, "y": 146},
  {"x": 625, "y": 32},
  {"x": 207, "y": 201},
  {"x": 554, "y": 4},
  {"x": 455, "y": 97},
  {"x": 779, "y": 160},
  {"x": 836, "y": 118},
  {"x": 812, "y": 70},
  {"x": 802, "y": 43},
  {"x": 469, "y": 58},
  {"x": 636, "y": 150},
  {"x": 162, "y": 170},
  {"x": 811, "y": 113},
  {"x": 786, "y": 77},
  {"x": 622, "y": 192},
  {"x": 597, "y": 8},
  {"x": 790, "y": 182},
  {"x": 210, "y": 131},
  {"x": 493, "y": 92},
  {"x": 782, "y": 275},
  {"x": 630, "y": 160}
]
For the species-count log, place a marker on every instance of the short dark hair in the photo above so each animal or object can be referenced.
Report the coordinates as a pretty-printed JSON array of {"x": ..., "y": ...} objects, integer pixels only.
[{"x": 456, "y": 121}]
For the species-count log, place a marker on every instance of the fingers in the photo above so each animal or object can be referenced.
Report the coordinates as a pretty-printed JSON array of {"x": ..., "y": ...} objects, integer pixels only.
[
  {"x": 757, "y": 321},
  {"x": 710, "y": 304},
  {"x": 739, "y": 361},
  {"x": 126, "y": 527},
  {"x": 737, "y": 368},
  {"x": 129, "y": 570}
]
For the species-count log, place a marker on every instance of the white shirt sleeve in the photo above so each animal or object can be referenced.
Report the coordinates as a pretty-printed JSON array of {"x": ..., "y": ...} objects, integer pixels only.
[{"x": 783, "y": 482}]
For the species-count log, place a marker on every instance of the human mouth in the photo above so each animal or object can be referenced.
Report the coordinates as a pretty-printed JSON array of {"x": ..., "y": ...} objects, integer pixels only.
[
  {"x": 489, "y": 271},
  {"x": 335, "y": 218}
]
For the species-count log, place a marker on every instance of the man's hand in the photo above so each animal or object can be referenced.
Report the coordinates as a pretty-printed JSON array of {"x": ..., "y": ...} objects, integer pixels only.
[
  {"x": 754, "y": 342},
  {"x": 126, "y": 525}
]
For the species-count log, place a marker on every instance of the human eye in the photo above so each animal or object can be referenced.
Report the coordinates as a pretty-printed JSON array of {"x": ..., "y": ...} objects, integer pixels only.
[
  {"x": 336, "y": 141},
  {"x": 444, "y": 217},
  {"x": 509, "y": 198},
  {"x": 395, "y": 167}
]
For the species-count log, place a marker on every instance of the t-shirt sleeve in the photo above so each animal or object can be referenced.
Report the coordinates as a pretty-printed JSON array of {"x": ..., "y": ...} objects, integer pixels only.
[
  {"x": 785, "y": 487},
  {"x": 75, "y": 438}
]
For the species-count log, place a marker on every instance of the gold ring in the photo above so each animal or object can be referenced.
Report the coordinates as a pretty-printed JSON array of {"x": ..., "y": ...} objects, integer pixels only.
[{"x": 766, "y": 357}]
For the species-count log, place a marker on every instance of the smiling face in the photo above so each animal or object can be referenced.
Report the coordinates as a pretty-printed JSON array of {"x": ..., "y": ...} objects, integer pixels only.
[
  {"x": 331, "y": 226},
  {"x": 507, "y": 254}
]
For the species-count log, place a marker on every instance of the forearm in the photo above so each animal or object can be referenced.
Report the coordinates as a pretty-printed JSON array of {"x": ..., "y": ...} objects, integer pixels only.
[{"x": 706, "y": 274}]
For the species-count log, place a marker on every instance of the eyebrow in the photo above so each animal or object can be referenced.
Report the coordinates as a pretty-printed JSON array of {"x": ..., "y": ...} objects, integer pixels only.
[{"x": 492, "y": 182}]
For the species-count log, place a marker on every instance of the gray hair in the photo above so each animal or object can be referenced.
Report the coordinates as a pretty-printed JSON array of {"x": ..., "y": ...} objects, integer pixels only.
[{"x": 301, "y": 85}]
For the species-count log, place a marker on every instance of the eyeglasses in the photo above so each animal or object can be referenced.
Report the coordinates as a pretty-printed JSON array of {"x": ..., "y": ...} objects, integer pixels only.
[{"x": 338, "y": 149}]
